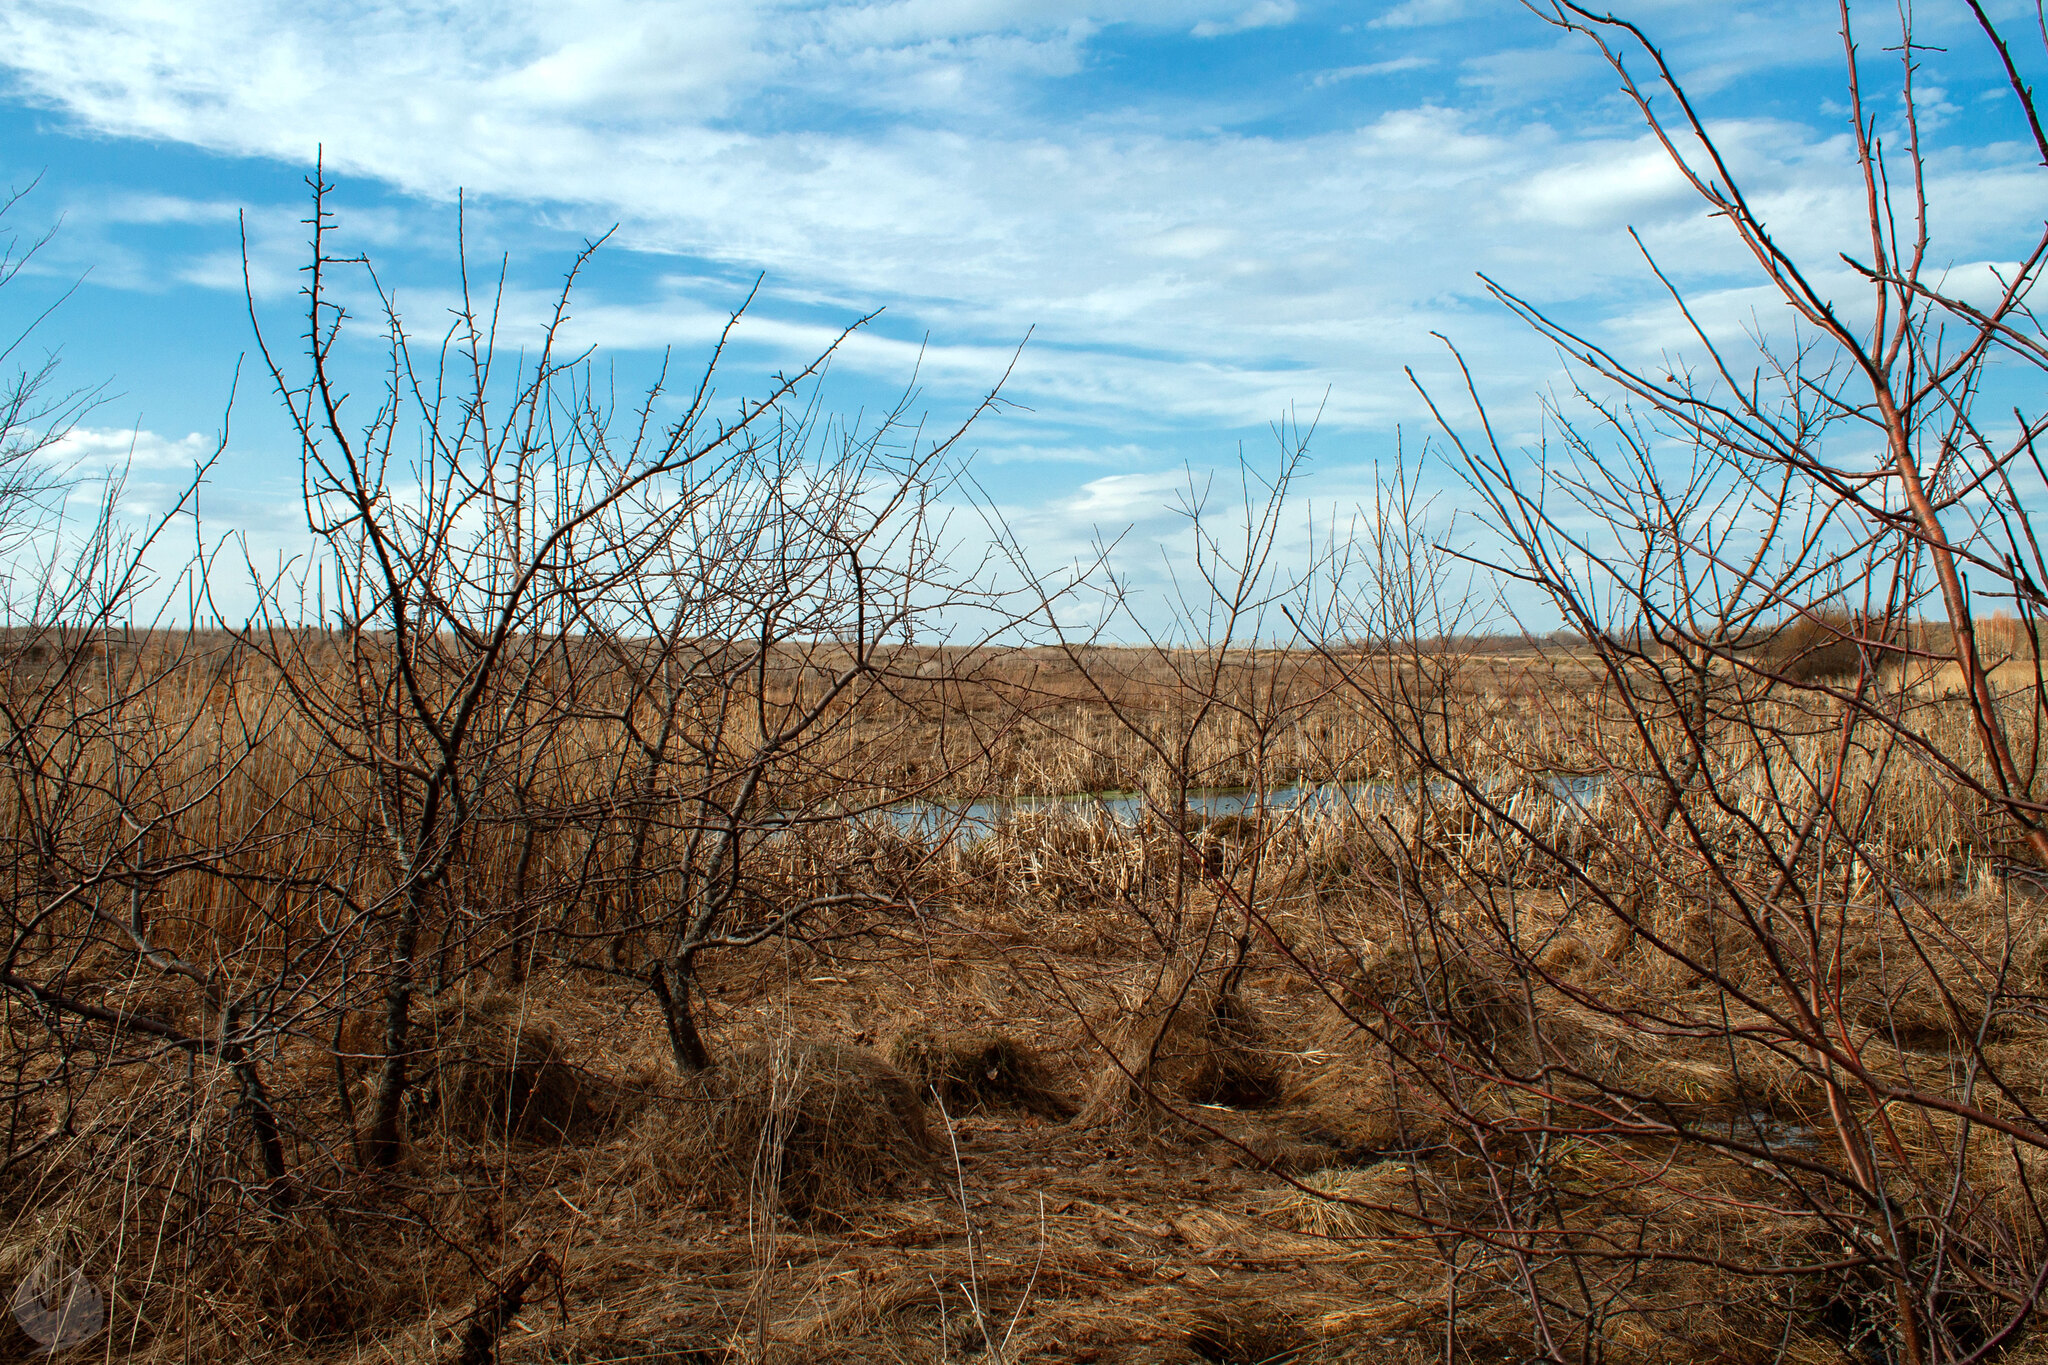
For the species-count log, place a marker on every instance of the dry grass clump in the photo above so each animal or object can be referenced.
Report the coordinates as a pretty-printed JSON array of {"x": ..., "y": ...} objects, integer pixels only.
[
  {"x": 1373, "y": 1201},
  {"x": 1427, "y": 980},
  {"x": 314, "y": 1276},
  {"x": 491, "y": 1072},
  {"x": 806, "y": 1128},
  {"x": 54, "y": 1253},
  {"x": 1343, "y": 853},
  {"x": 1245, "y": 1331},
  {"x": 1362, "y": 1114},
  {"x": 1685, "y": 1075},
  {"x": 977, "y": 1070},
  {"x": 1064, "y": 860},
  {"x": 266, "y": 1285},
  {"x": 1187, "y": 1042}
]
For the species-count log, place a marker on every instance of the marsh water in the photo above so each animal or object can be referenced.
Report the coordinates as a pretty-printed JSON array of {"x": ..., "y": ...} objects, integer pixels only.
[{"x": 970, "y": 819}]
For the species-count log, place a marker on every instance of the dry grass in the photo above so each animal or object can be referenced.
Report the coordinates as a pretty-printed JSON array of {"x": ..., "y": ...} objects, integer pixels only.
[
  {"x": 976, "y": 1071},
  {"x": 1262, "y": 1156},
  {"x": 1183, "y": 1042},
  {"x": 807, "y": 1129},
  {"x": 490, "y": 1074}
]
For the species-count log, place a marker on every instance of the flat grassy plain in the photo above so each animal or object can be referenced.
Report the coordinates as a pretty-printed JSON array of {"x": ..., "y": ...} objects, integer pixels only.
[{"x": 1467, "y": 1067}]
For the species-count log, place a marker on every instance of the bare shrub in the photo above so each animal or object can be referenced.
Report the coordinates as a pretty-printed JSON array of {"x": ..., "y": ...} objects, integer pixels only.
[
  {"x": 549, "y": 703},
  {"x": 1815, "y": 646},
  {"x": 1803, "y": 786}
]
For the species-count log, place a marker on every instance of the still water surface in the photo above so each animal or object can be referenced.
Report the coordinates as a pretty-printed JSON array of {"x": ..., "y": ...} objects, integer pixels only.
[{"x": 974, "y": 818}]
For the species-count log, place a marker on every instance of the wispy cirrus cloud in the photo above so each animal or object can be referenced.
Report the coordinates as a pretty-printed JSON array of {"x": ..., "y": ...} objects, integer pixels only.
[
  {"x": 1392, "y": 66},
  {"x": 1264, "y": 14},
  {"x": 1420, "y": 13}
]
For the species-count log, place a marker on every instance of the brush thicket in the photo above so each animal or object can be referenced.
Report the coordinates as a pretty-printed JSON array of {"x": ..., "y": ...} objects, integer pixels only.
[{"x": 1430, "y": 936}]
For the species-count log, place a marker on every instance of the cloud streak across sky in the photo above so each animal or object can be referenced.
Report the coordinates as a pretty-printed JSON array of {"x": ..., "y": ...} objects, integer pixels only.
[{"x": 1203, "y": 212}]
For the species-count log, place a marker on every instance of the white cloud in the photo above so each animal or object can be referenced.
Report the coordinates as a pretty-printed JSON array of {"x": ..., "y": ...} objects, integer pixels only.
[
  {"x": 947, "y": 157},
  {"x": 1193, "y": 241},
  {"x": 1621, "y": 182},
  {"x": 1420, "y": 13},
  {"x": 1391, "y": 66},
  {"x": 1118, "y": 499},
  {"x": 91, "y": 450},
  {"x": 1026, "y": 452},
  {"x": 1265, "y": 14},
  {"x": 1176, "y": 274},
  {"x": 149, "y": 208}
]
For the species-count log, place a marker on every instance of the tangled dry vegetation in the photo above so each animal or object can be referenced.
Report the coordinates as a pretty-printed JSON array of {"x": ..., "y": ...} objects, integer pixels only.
[
  {"x": 1343, "y": 1083},
  {"x": 533, "y": 963}
]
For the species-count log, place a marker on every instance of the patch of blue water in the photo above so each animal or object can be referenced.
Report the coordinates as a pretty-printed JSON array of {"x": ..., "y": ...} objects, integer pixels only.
[{"x": 974, "y": 818}]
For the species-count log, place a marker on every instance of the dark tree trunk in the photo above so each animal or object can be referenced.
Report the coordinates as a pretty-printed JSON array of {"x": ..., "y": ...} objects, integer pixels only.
[{"x": 385, "y": 1141}]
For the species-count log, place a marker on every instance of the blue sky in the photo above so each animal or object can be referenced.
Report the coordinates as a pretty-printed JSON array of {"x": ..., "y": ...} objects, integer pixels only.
[{"x": 1203, "y": 213}]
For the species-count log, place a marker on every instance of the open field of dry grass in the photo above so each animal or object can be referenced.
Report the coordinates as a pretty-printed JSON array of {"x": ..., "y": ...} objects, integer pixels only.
[{"x": 1391, "y": 1082}]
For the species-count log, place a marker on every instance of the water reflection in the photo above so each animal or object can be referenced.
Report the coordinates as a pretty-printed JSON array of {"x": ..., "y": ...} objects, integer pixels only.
[
  {"x": 971, "y": 819},
  {"x": 1764, "y": 1129}
]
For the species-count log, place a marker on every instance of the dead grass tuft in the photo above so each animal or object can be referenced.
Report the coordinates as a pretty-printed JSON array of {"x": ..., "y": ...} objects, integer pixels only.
[
  {"x": 492, "y": 1073},
  {"x": 977, "y": 1070},
  {"x": 1245, "y": 1332},
  {"x": 1348, "y": 1204},
  {"x": 310, "y": 1277},
  {"x": 805, "y": 1128},
  {"x": 1422, "y": 982},
  {"x": 1190, "y": 1042}
]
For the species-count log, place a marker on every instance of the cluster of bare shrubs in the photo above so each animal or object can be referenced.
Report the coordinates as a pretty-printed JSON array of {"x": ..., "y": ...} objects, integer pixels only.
[
  {"x": 1733, "y": 1035},
  {"x": 274, "y": 895}
]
